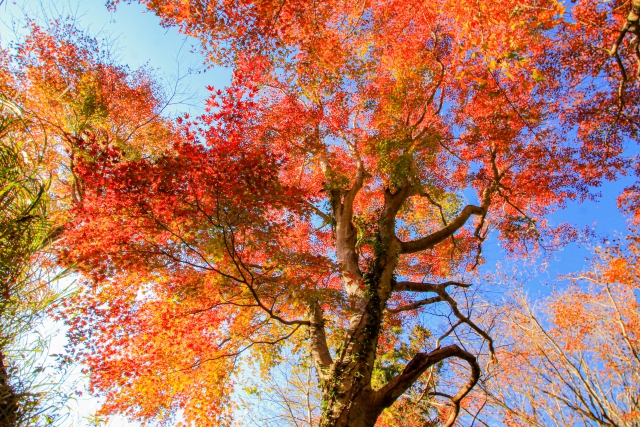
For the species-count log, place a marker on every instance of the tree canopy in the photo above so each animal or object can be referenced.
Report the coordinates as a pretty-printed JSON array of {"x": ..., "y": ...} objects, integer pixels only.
[
  {"x": 332, "y": 203},
  {"x": 58, "y": 87}
]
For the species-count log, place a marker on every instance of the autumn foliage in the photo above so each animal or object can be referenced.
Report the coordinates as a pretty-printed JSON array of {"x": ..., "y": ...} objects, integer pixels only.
[
  {"x": 360, "y": 158},
  {"x": 59, "y": 89},
  {"x": 70, "y": 87},
  {"x": 576, "y": 363}
]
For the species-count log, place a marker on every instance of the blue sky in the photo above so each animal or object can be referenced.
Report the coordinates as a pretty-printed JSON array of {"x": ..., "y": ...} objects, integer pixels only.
[
  {"x": 139, "y": 40},
  {"x": 136, "y": 38}
]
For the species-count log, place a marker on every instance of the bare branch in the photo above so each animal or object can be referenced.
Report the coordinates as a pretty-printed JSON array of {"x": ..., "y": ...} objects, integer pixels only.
[
  {"x": 426, "y": 287},
  {"x": 436, "y": 204},
  {"x": 270, "y": 312},
  {"x": 446, "y": 334},
  {"x": 226, "y": 355},
  {"x": 440, "y": 289},
  {"x": 454, "y": 308}
]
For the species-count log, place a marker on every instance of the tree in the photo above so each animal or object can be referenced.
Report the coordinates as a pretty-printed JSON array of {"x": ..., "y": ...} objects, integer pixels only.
[
  {"x": 71, "y": 86},
  {"x": 321, "y": 202},
  {"x": 576, "y": 362},
  {"x": 287, "y": 396},
  {"x": 58, "y": 87},
  {"x": 22, "y": 229},
  {"x": 26, "y": 290}
]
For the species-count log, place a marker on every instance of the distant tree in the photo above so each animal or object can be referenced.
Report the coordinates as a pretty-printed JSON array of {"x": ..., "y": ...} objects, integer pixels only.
[
  {"x": 25, "y": 227},
  {"x": 287, "y": 396},
  {"x": 573, "y": 359}
]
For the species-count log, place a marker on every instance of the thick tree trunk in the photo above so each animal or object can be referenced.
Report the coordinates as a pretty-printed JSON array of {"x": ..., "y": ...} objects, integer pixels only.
[
  {"x": 360, "y": 413},
  {"x": 364, "y": 408},
  {"x": 348, "y": 397}
]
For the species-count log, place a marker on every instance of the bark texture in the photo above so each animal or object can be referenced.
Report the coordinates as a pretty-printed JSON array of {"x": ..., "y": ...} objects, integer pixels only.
[{"x": 348, "y": 396}]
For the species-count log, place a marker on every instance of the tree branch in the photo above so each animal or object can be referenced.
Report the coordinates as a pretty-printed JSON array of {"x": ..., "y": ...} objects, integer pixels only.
[
  {"x": 350, "y": 196},
  {"x": 441, "y": 290},
  {"x": 454, "y": 307},
  {"x": 319, "y": 347},
  {"x": 346, "y": 235},
  {"x": 325, "y": 217},
  {"x": 630, "y": 25},
  {"x": 426, "y": 287},
  {"x": 415, "y": 305},
  {"x": 433, "y": 239},
  {"x": 388, "y": 394}
]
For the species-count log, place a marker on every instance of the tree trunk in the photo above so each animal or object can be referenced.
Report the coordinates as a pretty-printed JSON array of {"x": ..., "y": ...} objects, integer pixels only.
[
  {"x": 8, "y": 398},
  {"x": 360, "y": 413},
  {"x": 348, "y": 396}
]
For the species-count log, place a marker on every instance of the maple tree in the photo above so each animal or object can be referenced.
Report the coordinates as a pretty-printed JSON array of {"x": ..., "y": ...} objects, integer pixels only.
[
  {"x": 58, "y": 87},
  {"x": 71, "y": 90},
  {"x": 321, "y": 203},
  {"x": 577, "y": 362}
]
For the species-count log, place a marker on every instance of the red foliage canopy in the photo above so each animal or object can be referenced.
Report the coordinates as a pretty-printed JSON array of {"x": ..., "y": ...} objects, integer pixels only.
[{"x": 362, "y": 154}]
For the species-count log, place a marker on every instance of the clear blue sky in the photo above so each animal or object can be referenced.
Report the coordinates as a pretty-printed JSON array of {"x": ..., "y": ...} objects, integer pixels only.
[{"x": 139, "y": 40}]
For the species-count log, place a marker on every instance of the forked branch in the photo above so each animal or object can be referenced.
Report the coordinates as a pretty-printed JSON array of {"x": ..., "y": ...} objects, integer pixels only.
[
  {"x": 441, "y": 290},
  {"x": 631, "y": 25},
  {"x": 454, "y": 308}
]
